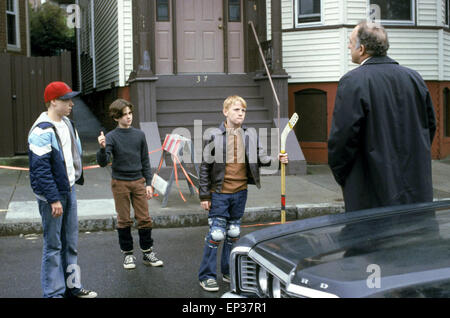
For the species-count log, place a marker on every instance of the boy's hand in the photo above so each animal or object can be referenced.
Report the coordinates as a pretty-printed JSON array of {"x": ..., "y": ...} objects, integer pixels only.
[
  {"x": 57, "y": 209},
  {"x": 283, "y": 157},
  {"x": 206, "y": 205},
  {"x": 149, "y": 190},
  {"x": 102, "y": 140}
]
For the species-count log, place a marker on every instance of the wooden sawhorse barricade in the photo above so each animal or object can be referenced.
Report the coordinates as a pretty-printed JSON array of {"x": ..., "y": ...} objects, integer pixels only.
[{"x": 177, "y": 146}]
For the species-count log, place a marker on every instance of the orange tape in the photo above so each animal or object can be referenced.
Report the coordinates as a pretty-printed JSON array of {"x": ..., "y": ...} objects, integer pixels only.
[
  {"x": 84, "y": 168},
  {"x": 14, "y": 168}
]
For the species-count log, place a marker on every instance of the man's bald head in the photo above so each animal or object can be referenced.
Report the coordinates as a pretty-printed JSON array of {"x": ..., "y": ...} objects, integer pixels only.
[{"x": 373, "y": 37}]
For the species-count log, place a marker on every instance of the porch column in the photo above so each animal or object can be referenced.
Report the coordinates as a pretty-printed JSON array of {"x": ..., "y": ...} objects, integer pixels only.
[
  {"x": 143, "y": 80},
  {"x": 277, "y": 41},
  {"x": 279, "y": 75}
]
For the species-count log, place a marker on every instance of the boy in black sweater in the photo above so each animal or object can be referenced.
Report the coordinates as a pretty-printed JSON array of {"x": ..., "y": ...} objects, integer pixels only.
[{"x": 131, "y": 181}]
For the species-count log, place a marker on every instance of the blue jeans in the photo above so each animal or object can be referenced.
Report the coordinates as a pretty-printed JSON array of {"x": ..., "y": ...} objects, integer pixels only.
[
  {"x": 226, "y": 210},
  {"x": 59, "y": 270}
]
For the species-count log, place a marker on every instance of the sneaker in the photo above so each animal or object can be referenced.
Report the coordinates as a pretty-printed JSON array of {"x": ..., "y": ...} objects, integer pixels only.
[
  {"x": 226, "y": 278},
  {"x": 210, "y": 284},
  {"x": 129, "y": 262},
  {"x": 151, "y": 259},
  {"x": 84, "y": 293}
]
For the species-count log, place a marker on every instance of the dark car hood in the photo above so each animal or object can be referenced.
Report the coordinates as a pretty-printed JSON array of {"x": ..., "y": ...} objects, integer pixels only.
[{"x": 339, "y": 253}]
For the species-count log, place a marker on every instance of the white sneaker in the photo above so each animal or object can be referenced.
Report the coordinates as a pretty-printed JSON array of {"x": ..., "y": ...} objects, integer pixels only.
[
  {"x": 151, "y": 259},
  {"x": 129, "y": 262},
  {"x": 210, "y": 285}
]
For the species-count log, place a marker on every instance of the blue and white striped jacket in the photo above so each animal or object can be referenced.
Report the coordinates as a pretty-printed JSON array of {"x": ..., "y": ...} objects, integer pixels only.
[{"x": 48, "y": 173}]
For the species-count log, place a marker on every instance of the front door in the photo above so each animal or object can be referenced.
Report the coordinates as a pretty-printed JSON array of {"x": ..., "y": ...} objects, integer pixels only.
[{"x": 199, "y": 36}]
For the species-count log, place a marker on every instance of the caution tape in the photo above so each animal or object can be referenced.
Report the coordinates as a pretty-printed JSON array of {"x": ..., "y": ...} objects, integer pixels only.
[
  {"x": 27, "y": 169},
  {"x": 14, "y": 168},
  {"x": 84, "y": 168}
]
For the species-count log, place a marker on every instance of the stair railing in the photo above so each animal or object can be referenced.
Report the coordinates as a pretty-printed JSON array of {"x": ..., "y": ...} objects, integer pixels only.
[{"x": 270, "y": 79}]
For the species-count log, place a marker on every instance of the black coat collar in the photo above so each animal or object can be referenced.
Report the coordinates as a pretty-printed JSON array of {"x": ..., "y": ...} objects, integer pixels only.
[{"x": 380, "y": 60}]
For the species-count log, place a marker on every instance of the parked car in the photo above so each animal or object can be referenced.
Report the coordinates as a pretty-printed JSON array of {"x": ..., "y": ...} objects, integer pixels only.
[{"x": 399, "y": 251}]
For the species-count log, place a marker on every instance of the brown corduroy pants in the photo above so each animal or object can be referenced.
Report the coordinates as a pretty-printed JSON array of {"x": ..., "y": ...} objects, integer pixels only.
[{"x": 127, "y": 193}]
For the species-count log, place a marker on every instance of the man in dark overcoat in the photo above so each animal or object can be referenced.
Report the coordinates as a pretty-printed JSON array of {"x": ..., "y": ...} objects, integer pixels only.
[{"x": 379, "y": 148}]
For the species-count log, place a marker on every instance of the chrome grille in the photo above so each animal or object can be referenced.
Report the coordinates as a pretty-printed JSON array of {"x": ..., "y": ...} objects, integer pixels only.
[
  {"x": 247, "y": 274},
  {"x": 284, "y": 293}
]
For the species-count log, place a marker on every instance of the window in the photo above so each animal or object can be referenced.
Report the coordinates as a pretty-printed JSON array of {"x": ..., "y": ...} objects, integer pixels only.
[
  {"x": 12, "y": 23},
  {"x": 162, "y": 10},
  {"x": 395, "y": 11},
  {"x": 234, "y": 10},
  {"x": 447, "y": 12},
  {"x": 308, "y": 11}
]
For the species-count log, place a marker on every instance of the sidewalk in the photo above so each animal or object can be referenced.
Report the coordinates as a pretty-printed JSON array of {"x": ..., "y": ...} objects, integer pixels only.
[{"x": 309, "y": 195}]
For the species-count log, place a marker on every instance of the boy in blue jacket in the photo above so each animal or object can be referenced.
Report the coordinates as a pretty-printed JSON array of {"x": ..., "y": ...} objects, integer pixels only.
[{"x": 55, "y": 166}]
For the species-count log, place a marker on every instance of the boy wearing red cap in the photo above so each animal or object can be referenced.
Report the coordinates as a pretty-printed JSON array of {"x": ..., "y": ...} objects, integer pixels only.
[{"x": 55, "y": 166}]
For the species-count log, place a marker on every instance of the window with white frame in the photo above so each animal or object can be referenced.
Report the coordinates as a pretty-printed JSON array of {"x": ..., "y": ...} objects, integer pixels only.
[
  {"x": 447, "y": 12},
  {"x": 12, "y": 23},
  {"x": 395, "y": 11},
  {"x": 308, "y": 12}
]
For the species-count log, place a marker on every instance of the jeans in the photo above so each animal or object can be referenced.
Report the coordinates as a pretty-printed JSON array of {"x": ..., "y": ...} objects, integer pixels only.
[
  {"x": 226, "y": 210},
  {"x": 59, "y": 270}
]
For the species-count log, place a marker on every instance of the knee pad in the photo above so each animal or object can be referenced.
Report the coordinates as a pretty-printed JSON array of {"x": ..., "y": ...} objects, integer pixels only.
[
  {"x": 234, "y": 229},
  {"x": 217, "y": 229}
]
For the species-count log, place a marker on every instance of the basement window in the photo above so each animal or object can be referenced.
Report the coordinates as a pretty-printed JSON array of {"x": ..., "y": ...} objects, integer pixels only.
[{"x": 311, "y": 107}]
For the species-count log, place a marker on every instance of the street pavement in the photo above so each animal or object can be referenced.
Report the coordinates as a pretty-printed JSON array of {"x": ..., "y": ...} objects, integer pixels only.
[
  {"x": 313, "y": 194},
  {"x": 100, "y": 261}
]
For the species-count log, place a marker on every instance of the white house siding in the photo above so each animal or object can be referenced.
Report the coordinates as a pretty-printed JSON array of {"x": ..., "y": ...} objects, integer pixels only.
[
  {"x": 356, "y": 11},
  {"x": 417, "y": 49},
  {"x": 312, "y": 56},
  {"x": 427, "y": 12},
  {"x": 287, "y": 14},
  {"x": 106, "y": 44},
  {"x": 446, "y": 56},
  {"x": 269, "y": 20},
  {"x": 331, "y": 12},
  {"x": 126, "y": 40},
  {"x": 85, "y": 47}
]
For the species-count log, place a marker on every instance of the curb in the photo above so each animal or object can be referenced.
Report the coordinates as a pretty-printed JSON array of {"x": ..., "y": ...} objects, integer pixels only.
[{"x": 251, "y": 216}]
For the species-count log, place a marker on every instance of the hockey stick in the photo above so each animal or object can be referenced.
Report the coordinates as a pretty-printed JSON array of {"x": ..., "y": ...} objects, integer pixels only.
[{"x": 287, "y": 129}]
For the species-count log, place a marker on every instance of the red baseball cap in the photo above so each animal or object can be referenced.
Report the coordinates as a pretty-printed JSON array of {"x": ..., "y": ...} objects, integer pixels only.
[{"x": 58, "y": 90}]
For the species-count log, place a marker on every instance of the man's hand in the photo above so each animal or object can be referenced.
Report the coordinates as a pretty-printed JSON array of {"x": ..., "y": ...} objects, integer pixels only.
[
  {"x": 102, "y": 140},
  {"x": 149, "y": 190},
  {"x": 57, "y": 209},
  {"x": 206, "y": 205},
  {"x": 283, "y": 157}
]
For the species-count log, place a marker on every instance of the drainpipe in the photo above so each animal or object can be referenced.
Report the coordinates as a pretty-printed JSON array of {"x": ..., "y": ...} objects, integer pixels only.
[
  {"x": 78, "y": 32},
  {"x": 94, "y": 73},
  {"x": 27, "y": 27}
]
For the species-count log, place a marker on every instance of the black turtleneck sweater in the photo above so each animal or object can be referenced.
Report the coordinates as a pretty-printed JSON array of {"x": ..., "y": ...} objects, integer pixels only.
[{"x": 127, "y": 147}]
